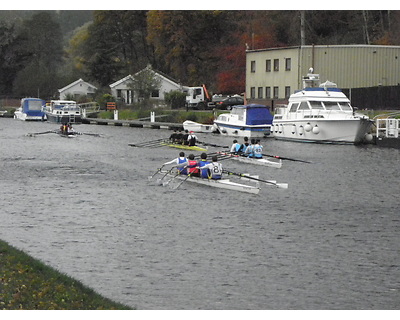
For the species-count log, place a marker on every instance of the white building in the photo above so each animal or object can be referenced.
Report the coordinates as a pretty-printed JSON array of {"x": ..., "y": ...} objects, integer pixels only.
[
  {"x": 122, "y": 90},
  {"x": 77, "y": 89}
]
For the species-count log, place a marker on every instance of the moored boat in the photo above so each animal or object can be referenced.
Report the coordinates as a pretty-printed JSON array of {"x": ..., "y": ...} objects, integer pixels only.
[
  {"x": 320, "y": 113},
  {"x": 199, "y": 127},
  {"x": 251, "y": 121},
  {"x": 262, "y": 162},
  {"x": 221, "y": 183},
  {"x": 63, "y": 111},
  {"x": 30, "y": 110}
]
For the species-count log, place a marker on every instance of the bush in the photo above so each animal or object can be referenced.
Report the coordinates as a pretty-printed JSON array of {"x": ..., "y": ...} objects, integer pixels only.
[{"x": 175, "y": 99}]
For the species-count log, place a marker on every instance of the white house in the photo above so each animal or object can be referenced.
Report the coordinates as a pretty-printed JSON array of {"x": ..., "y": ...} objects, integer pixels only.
[
  {"x": 76, "y": 89},
  {"x": 122, "y": 89}
]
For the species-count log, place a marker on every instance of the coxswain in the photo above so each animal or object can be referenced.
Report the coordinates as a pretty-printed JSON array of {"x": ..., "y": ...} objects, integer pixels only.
[
  {"x": 214, "y": 169},
  {"x": 202, "y": 162},
  {"x": 192, "y": 139},
  {"x": 178, "y": 162},
  {"x": 235, "y": 147}
]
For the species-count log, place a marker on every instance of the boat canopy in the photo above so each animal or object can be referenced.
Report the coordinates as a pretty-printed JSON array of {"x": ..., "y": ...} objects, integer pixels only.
[
  {"x": 257, "y": 114},
  {"x": 32, "y": 106}
]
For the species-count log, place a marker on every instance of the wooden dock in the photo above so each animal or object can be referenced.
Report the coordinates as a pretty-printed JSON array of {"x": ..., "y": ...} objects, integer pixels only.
[{"x": 134, "y": 123}]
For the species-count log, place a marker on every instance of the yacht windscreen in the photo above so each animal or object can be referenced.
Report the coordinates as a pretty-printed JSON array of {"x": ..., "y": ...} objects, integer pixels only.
[
  {"x": 316, "y": 105},
  {"x": 345, "y": 106},
  {"x": 293, "y": 108},
  {"x": 331, "y": 105}
]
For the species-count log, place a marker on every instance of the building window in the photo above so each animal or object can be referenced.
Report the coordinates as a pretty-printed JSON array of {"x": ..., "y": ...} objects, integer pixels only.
[
  {"x": 268, "y": 65},
  {"x": 253, "y": 66},
  {"x": 155, "y": 94},
  {"x": 276, "y": 92},
  {"x": 287, "y": 92},
  {"x": 260, "y": 92},
  {"x": 119, "y": 93},
  {"x": 288, "y": 64},
  {"x": 252, "y": 92},
  {"x": 276, "y": 64},
  {"x": 268, "y": 92}
]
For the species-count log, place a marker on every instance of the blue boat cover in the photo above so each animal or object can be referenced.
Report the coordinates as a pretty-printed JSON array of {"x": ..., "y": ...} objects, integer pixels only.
[
  {"x": 258, "y": 114},
  {"x": 33, "y": 106}
]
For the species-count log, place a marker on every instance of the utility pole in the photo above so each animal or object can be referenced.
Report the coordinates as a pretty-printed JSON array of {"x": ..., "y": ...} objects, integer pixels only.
[{"x": 302, "y": 28}]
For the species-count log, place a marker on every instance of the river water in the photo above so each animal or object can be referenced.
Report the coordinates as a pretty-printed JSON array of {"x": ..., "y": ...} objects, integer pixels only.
[{"x": 86, "y": 207}]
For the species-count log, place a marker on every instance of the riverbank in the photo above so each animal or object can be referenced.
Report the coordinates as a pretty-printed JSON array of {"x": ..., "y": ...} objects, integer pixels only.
[{"x": 28, "y": 284}]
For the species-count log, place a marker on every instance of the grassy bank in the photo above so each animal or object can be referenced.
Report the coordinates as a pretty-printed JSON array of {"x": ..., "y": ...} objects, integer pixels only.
[{"x": 26, "y": 283}]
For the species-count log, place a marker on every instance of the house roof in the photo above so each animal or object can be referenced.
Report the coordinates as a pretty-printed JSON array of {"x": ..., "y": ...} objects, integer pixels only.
[
  {"x": 128, "y": 77},
  {"x": 159, "y": 73},
  {"x": 75, "y": 83}
]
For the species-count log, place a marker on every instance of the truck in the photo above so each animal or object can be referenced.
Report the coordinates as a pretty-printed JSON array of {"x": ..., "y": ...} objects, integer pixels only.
[{"x": 199, "y": 98}]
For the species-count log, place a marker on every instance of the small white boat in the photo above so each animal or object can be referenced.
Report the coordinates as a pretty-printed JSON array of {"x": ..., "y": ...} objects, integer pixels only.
[
  {"x": 251, "y": 121},
  {"x": 63, "y": 111},
  {"x": 320, "y": 113},
  {"x": 199, "y": 127},
  {"x": 30, "y": 110},
  {"x": 221, "y": 183},
  {"x": 261, "y": 162}
]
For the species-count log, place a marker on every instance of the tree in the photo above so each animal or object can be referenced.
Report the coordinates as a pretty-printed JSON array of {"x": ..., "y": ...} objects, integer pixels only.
[
  {"x": 112, "y": 46},
  {"x": 145, "y": 84},
  {"x": 40, "y": 43}
]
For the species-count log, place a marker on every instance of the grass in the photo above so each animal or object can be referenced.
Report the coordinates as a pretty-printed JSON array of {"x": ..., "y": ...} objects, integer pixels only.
[{"x": 28, "y": 284}]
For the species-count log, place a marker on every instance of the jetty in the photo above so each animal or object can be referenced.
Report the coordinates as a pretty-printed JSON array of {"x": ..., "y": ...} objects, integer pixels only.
[{"x": 134, "y": 123}]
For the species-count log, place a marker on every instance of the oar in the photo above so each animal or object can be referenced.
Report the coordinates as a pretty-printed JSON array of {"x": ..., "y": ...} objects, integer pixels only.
[
  {"x": 168, "y": 171},
  {"x": 37, "y": 133},
  {"x": 279, "y": 185},
  {"x": 177, "y": 186},
  {"x": 284, "y": 158},
  {"x": 88, "y": 134},
  {"x": 146, "y": 143},
  {"x": 158, "y": 170}
]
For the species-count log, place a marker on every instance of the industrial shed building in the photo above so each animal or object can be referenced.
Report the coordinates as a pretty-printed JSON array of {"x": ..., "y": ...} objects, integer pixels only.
[{"x": 273, "y": 74}]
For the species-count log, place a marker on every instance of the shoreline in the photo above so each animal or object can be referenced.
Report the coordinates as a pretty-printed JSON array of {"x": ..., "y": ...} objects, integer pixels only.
[{"x": 29, "y": 284}]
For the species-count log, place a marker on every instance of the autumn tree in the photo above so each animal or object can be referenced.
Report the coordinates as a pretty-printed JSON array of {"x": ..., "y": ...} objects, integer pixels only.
[{"x": 187, "y": 43}]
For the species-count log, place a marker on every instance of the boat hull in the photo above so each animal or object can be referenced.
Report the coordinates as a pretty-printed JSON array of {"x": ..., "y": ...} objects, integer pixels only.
[
  {"x": 25, "y": 117},
  {"x": 57, "y": 118},
  {"x": 222, "y": 183},
  {"x": 198, "y": 127},
  {"x": 260, "y": 162},
  {"x": 182, "y": 146},
  {"x": 340, "y": 131},
  {"x": 243, "y": 131}
]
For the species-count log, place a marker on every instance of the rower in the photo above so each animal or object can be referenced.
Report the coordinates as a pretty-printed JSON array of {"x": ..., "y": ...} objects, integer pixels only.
[
  {"x": 214, "y": 169},
  {"x": 257, "y": 150},
  {"x": 179, "y": 161},
  {"x": 249, "y": 150},
  {"x": 243, "y": 146},
  {"x": 235, "y": 147},
  {"x": 202, "y": 162},
  {"x": 191, "y": 165}
]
